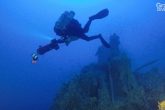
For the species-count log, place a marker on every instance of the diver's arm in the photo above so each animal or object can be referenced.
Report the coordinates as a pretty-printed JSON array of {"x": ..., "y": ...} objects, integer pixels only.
[
  {"x": 52, "y": 45},
  {"x": 44, "y": 49}
]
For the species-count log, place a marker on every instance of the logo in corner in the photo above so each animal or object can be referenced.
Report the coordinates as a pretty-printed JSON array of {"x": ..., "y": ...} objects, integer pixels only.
[{"x": 160, "y": 6}]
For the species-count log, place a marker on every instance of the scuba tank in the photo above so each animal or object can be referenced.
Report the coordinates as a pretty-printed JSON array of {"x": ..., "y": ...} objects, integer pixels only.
[{"x": 63, "y": 21}]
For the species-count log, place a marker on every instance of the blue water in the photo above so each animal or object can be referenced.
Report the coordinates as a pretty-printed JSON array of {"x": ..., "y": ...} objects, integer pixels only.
[{"x": 24, "y": 25}]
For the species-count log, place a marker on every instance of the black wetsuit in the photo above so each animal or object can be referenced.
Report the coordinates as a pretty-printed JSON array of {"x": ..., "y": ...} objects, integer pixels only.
[{"x": 74, "y": 29}]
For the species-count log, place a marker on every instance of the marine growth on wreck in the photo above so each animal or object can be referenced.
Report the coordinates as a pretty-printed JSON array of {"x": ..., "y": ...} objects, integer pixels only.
[{"x": 111, "y": 84}]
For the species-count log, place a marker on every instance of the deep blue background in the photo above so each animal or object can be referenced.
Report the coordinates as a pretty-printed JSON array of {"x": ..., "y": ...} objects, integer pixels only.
[{"x": 26, "y": 24}]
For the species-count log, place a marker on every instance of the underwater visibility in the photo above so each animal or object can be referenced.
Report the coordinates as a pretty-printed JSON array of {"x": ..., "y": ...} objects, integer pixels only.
[{"x": 82, "y": 55}]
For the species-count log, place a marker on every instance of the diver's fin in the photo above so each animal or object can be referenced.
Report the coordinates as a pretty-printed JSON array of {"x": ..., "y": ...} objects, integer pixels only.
[{"x": 103, "y": 13}]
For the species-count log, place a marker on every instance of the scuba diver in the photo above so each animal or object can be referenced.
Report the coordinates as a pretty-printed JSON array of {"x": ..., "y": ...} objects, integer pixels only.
[{"x": 69, "y": 29}]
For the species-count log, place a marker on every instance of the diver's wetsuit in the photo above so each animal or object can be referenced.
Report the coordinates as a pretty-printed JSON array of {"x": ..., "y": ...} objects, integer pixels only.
[{"x": 74, "y": 29}]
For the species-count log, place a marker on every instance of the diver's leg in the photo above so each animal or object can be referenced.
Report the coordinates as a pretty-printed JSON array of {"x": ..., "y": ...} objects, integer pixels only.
[
  {"x": 101, "y": 14},
  {"x": 87, "y": 25},
  {"x": 84, "y": 37},
  {"x": 106, "y": 44}
]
